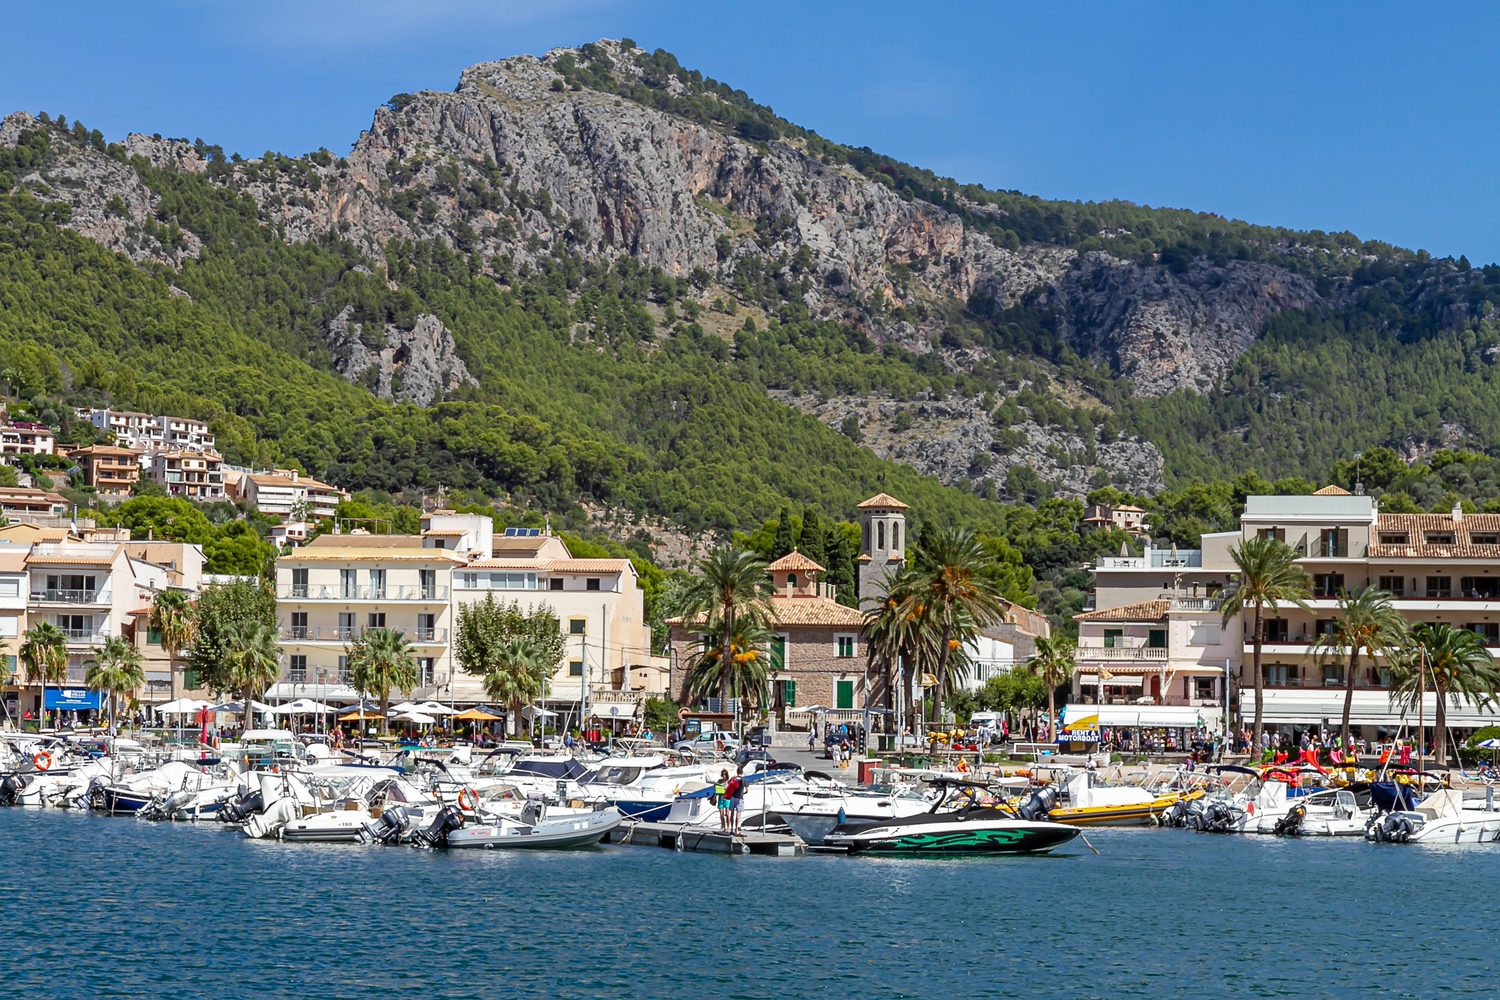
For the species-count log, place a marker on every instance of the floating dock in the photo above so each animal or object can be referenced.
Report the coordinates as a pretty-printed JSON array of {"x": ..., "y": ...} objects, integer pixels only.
[{"x": 680, "y": 837}]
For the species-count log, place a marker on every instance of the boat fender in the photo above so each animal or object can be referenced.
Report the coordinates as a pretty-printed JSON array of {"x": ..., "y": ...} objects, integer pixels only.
[{"x": 42, "y": 761}]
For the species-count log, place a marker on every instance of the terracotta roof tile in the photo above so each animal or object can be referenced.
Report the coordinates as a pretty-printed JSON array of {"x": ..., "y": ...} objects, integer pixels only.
[
  {"x": 1332, "y": 491},
  {"x": 794, "y": 560},
  {"x": 804, "y": 611},
  {"x": 884, "y": 500},
  {"x": 1142, "y": 611},
  {"x": 1417, "y": 527},
  {"x": 589, "y": 565}
]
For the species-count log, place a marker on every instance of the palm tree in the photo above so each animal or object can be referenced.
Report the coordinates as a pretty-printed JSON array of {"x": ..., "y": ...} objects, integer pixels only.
[
  {"x": 747, "y": 666},
  {"x": 115, "y": 668},
  {"x": 1269, "y": 577},
  {"x": 1052, "y": 663},
  {"x": 732, "y": 590},
  {"x": 173, "y": 618},
  {"x": 44, "y": 653},
  {"x": 1457, "y": 664},
  {"x": 518, "y": 677},
  {"x": 900, "y": 639},
  {"x": 959, "y": 595},
  {"x": 1369, "y": 623},
  {"x": 252, "y": 660},
  {"x": 379, "y": 660}
]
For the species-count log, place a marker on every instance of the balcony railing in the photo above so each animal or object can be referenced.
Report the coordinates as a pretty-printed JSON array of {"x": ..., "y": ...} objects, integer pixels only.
[
  {"x": 61, "y": 596},
  {"x": 88, "y": 635},
  {"x": 1121, "y": 653},
  {"x": 348, "y": 633},
  {"x": 1195, "y": 604},
  {"x": 434, "y": 594}
]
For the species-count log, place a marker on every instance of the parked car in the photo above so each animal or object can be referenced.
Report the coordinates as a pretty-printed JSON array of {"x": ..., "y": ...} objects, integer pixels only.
[
  {"x": 709, "y": 742},
  {"x": 750, "y": 752}
]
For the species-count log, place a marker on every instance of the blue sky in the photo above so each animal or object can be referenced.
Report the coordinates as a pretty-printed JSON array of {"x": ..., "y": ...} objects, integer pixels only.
[{"x": 1375, "y": 117}]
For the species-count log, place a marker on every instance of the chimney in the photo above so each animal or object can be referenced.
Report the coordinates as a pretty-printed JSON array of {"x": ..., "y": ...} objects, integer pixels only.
[{"x": 1458, "y": 512}]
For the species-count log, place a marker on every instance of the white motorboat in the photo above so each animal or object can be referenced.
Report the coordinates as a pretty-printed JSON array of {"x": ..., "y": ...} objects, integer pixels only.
[
  {"x": 970, "y": 829},
  {"x": 1441, "y": 818},
  {"x": 363, "y": 798},
  {"x": 643, "y": 788},
  {"x": 813, "y": 807},
  {"x": 1333, "y": 812},
  {"x": 539, "y": 826}
]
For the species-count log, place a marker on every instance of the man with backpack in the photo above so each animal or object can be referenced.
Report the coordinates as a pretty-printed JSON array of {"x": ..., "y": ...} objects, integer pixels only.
[{"x": 734, "y": 791}]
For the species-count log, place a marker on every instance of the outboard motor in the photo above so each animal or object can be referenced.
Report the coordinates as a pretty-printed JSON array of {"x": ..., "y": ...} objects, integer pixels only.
[
  {"x": 93, "y": 798},
  {"x": 1290, "y": 825},
  {"x": 241, "y": 807},
  {"x": 155, "y": 809},
  {"x": 1217, "y": 817},
  {"x": 388, "y": 829},
  {"x": 1392, "y": 828},
  {"x": 1194, "y": 813},
  {"x": 1039, "y": 804},
  {"x": 1175, "y": 815},
  {"x": 435, "y": 834},
  {"x": 11, "y": 787}
]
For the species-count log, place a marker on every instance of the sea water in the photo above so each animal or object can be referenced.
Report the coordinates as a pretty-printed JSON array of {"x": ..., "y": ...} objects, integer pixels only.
[{"x": 112, "y": 907}]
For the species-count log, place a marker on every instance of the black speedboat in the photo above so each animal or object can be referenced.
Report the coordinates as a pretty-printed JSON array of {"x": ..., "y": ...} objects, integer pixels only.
[{"x": 967, "y": 827}]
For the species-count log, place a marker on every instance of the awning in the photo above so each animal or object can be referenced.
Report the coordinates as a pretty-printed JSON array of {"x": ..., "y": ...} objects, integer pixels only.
[
  {"x": 1152, "y": 716},
  {"x": 72, "y": 698},
  {"x": 1118, "y": 680}
]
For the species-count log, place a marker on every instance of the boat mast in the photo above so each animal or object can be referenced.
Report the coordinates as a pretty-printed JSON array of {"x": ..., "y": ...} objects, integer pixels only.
[{"x": 1421, "y": 707}]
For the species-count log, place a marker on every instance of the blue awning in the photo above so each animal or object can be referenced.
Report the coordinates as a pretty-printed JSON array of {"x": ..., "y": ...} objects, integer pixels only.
[{"x": 72, "y": 698}]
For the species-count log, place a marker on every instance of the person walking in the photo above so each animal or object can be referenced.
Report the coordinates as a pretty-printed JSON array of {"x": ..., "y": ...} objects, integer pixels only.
[{"x": 812, "y": 740}]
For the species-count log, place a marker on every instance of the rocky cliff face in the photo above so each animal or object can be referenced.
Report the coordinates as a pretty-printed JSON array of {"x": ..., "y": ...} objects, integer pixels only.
[
  {"x": 515, "y": 160},
  {"x": 416, "y": 365}
]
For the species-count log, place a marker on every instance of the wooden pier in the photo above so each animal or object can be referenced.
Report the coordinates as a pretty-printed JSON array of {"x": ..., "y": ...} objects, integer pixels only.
[{"x": 679, "y": 837}]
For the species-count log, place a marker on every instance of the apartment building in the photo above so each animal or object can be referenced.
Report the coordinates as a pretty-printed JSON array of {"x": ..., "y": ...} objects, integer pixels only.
[
  {"x": 283, "y": 492},
  {"x": 1158, "y": 574},
  {"x": 194, "y": 475},
  {"x": 107, "y": 468},
  {"x": 88, "y": 590},
  {"x": 607, "y": 669},
  {"x": 337, "y": 587},
  {"x": 145, "y": 432},
  {"x": 1124, "y": 517},
  {"x": 17, "y": 438},
  {"x": 19, "y": 503},
  {"x": 14, "y": 593}
]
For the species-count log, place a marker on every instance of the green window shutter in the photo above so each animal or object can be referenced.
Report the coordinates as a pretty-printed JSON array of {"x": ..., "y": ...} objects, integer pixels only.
[
  {"x": 153, "y": 637},
  {"x": 778, "y": 652},
  {"x": 845, "y": 698},
  {"x": 190, "y": 680},
  {"x": 1112, "y": 637},
  {"x": 1157, "y": 638},
  {"x": 789, "y": 693},
  {"x": 575, "y": 668}
]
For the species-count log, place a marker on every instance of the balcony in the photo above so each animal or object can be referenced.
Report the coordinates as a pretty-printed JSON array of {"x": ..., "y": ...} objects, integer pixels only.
[
  {"x": 71, "y": 597},
  {"x": 1116, "y": 654},
  {"x": 433, "y": 595},
  {"x": 85, "y": 636},
  {"x": 348, "y": 633},
  {"x": 1195, "y": 604}
]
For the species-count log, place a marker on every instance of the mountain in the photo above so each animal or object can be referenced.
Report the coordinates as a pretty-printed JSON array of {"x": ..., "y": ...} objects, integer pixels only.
[{"x": 599, "y": 275}]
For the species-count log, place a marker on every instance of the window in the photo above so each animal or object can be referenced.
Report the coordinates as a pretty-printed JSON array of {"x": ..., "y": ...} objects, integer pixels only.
[
  {"x": 778, "y": 652},
  {"x": 845, "y": 695},
  {"x": 1333, "y": 543},
  {"x": 376, "y": 619},
  {"x": 1440, "y": 586},
  {"x": 426, "y": 671},
  {"x": 578, "y": 626},
  {"x": 513, "y": 581},
  {"x": 1156, "y": 638},
  {"x": 1333, "y": 675},
  {"x": 10, "y": 628},
  {"x": 427, "y": 580},
  {"x": 555, "y": 583},
  {"x": 347, "y": 585},
  {"x": 1274, "y": 630},
  {"x": 896, "y": 535},
  {"x": 1475, "y": 538},
  {"x": 153, "y": 637},
  {"x": 880, "y": 535},
  {"x": 1486, "y": 587},
  {"x": 1113, "y": 637},
  {"x": 10, "y": 588},
  {"x": 592, "y": 583},
  {"x": 346, "y": 625},
  {"x": 1328, "y": 584},
  {"x": 1203, "y": 688},
  {"x": 789, "y": 694},
  {"x": 377, "y": 584},
  {"x": 846, "y": 646},
  {"x": 575, "y": 668},
  {"x": 1206, "y": 634},
  {"x": 791, "y": 579},
  {"x": 1325, "y": 626},
  {"x": 1278, "y": 674},
  {"x": 299, "y": 583},
  {"x": 191, "y": 681},
  {"x": 1439, "y": 538},
  {"x": 426, "y": 630},
  {"x": 297, "y": 673},
  {"x": 1394, "y": 538},
  {"x": 1490, "y": 631},
  {"x": 343, "y": 670},
  {"x": 468, "y": 581},
  {"x": 1395, "y": 584},
  {"x": 299, "y": 624}
]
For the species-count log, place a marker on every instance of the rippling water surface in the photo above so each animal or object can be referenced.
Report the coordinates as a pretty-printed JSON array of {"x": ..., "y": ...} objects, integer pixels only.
[{"x": 105, "y": 907}]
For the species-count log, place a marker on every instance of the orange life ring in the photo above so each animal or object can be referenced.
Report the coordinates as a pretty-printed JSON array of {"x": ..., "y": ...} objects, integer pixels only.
[
  {"x": 468, "y": 800},
  {"x": 42, "y": 761}
]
